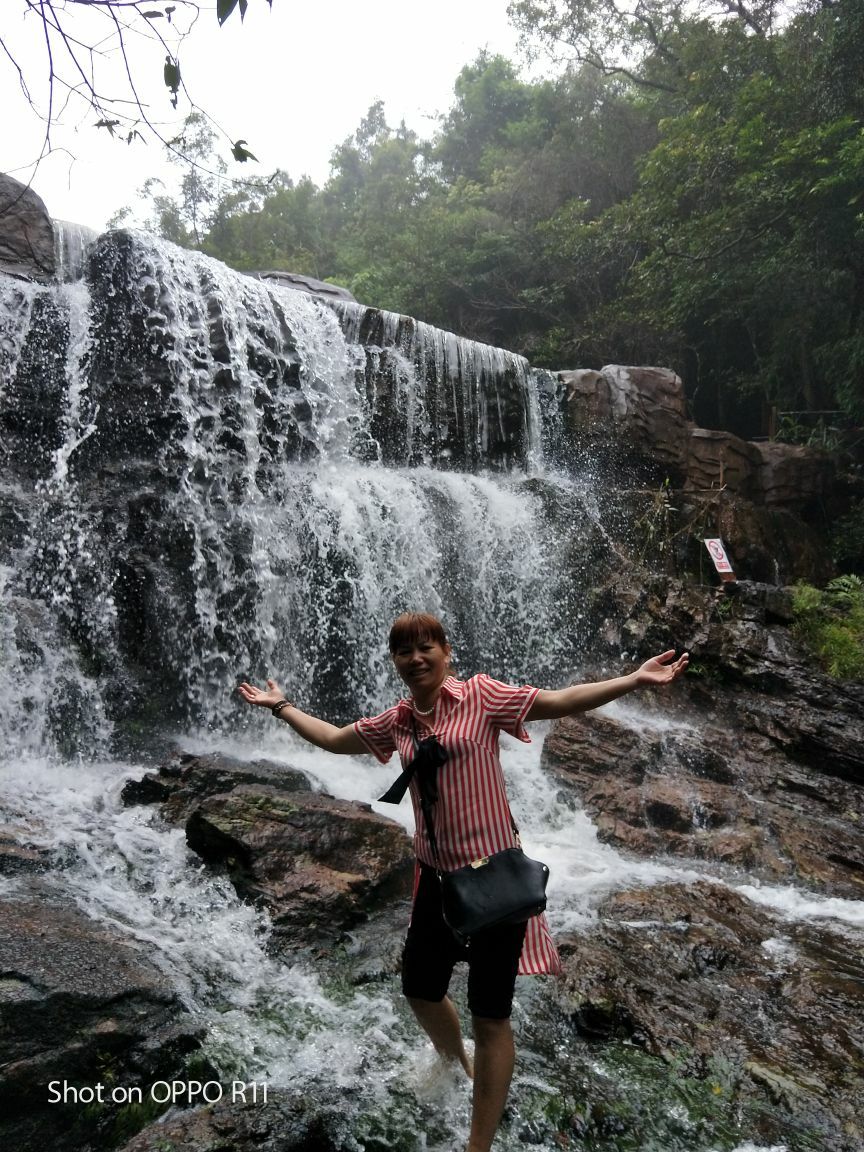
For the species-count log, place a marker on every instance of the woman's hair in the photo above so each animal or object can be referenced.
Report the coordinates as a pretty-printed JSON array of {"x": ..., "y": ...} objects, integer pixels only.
[{"x": 412, "y": 627}]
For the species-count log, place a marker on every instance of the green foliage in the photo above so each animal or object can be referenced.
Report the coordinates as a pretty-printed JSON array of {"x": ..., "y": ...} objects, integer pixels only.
[
  {"x": 831, "y": 623},
  {"x": 848, "y": 539}
]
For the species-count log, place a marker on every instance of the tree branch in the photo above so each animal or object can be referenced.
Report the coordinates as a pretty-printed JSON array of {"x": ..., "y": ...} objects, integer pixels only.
[{"x": 740, "y": 239}]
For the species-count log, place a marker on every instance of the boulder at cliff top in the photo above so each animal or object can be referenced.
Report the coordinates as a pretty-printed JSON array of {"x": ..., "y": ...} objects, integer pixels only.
[
  {"x": 634, "y": 416},
  {"x": 26, "y": 232},
  {"x": 721, "y": 460},
  {"x": 302, "y": 283},
  {"x": 793, "y": 476},
  {"x": 772, "y": 473}
]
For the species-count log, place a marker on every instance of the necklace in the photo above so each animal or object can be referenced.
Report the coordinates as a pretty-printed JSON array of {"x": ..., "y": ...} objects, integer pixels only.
[{"x": 423, "y": 711}]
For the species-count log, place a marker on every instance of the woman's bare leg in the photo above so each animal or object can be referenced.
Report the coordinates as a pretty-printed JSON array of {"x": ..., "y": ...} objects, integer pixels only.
[
  {"x": 440, "y": 1021},
  {"x": 494, "y": 1057}
]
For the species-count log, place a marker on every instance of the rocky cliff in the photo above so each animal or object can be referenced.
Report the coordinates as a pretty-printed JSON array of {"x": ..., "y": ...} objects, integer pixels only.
[{"x": 203, "y": 479}]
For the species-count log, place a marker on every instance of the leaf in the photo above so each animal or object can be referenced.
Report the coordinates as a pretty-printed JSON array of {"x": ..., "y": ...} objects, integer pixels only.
[
  {"x": 171, "y": 72},
  {"x": 109, "y": 124},
  {"x": 152, "y": 15},
  {"x": 224, "y": 8},
  {"x": 171, "y": 8},
  {"x": 240, "y": 153}
]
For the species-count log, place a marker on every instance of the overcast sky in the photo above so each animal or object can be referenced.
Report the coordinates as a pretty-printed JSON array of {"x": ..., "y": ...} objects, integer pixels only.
[{"x": 294, "y": 81}]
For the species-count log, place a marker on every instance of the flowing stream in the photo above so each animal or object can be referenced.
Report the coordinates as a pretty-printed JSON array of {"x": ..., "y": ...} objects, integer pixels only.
[{"x": 317, "y": 470}]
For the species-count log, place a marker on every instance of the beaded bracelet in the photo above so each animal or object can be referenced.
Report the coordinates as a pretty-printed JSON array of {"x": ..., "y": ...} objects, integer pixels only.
[{"x": 279, "y": 705}]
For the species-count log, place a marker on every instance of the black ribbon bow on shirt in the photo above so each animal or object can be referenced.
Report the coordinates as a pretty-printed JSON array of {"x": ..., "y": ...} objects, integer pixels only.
[{"x": 429, "y": 755}]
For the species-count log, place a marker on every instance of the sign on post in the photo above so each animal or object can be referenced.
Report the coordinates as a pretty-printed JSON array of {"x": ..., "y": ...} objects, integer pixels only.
[{"x": 721, "y": 561}]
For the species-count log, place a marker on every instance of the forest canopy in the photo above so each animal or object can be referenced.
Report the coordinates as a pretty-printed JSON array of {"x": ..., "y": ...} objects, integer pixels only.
[{"x": 686, "y": 190}]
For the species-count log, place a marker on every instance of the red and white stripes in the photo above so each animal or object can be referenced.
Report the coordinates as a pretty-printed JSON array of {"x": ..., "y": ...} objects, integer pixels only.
[{"x": 472, "y": 816}]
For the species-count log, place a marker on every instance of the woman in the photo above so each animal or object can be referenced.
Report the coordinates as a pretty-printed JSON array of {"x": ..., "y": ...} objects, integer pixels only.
[{"x": 471, "y": 818}]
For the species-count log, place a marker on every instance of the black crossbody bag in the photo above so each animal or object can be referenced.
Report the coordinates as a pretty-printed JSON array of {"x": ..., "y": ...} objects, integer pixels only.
[{"x": 507, "y": 887}]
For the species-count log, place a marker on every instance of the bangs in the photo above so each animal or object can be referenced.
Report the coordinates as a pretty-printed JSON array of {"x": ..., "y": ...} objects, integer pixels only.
[{"x": 413, "y": 627}]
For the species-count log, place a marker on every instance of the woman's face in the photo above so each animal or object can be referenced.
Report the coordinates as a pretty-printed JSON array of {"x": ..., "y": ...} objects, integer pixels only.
[{"x": 424, "y": 665}]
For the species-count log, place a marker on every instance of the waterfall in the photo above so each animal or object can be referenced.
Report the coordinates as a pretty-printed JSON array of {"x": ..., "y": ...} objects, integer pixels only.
[
  {"x": 229, "y": 483},
  {"x": 71, "y": 242},
  {"x": 206, "y": 478}
]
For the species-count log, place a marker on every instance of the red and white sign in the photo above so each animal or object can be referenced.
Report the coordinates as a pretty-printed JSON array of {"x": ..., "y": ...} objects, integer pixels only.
[{"x": 721, "y": 561}]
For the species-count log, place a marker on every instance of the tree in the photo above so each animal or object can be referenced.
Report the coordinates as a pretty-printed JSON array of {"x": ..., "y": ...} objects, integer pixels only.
[
  {"x": 88, "y": 69},
  {"x": 641, "y": 40},
  {"x": 739, "y": 258}
]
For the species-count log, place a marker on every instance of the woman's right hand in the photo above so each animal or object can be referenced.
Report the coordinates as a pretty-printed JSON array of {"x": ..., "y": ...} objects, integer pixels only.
[{"x": 259, "y": 697}]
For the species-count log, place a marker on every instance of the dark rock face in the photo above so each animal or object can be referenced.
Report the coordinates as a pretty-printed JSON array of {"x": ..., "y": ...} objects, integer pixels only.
[
  {"x": 690, "y": 973},
  {"x": 26, "y": 232},
  {"x": 286, "y": 1123},
  {"x": 755, "y": 760},
  {"x": 34, "y": 395},
  {"x": 77, "y": 1000},
  {"x": 319, "y": 865},
  {"x": 772, "y": 545}
]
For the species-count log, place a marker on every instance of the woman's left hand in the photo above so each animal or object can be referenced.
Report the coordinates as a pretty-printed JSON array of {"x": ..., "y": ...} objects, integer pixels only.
[
  {"x": 257, "y": 696},
  {"x": 663, "y": 669}
]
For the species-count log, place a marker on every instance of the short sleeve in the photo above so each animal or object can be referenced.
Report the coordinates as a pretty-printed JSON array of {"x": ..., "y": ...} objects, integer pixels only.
[
  {"x": 507, "y": 705},
  {"x": 376, "y": 732}
]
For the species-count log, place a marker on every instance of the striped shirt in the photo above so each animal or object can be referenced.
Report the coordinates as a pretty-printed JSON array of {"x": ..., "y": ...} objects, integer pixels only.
[{"x": 472, "y": 816}]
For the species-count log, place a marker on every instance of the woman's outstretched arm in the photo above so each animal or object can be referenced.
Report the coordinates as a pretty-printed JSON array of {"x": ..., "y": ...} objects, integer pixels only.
[
  {"x": 659, "y": 670},
  {"x": 317, "y": 732}
]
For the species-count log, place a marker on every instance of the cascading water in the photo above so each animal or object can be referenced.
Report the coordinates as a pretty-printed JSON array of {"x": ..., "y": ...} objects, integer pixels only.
[
  {"x": 71, "y": 242},
  {"x": 204, "y": 478}
]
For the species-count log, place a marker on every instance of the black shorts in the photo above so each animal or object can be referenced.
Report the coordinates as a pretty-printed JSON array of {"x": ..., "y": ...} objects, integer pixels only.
[{"x": 431, "y": 951}]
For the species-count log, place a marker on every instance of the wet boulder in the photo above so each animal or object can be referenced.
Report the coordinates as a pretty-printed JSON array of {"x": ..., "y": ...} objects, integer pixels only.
[
  {"x": 80, "y": 1003},
  {"x": 18, "y": 852},
  {"x": 285, "y": 1122},
  {"x": 700, "y": 976},
  {"x": 186, "y": 778},
  {"x": 317, "y": 864}
]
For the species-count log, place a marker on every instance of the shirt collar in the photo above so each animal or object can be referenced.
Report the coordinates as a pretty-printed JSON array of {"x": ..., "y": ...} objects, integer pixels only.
[{"x": 450, "y": 687}]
